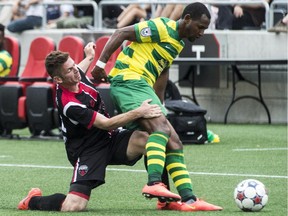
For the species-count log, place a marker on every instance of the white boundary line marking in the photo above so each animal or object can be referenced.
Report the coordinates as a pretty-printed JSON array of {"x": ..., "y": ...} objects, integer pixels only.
[
  {"x": 5, "y": 156},
  {"x": 261, "y": 149},
  {"x": 133, "y": 170}
]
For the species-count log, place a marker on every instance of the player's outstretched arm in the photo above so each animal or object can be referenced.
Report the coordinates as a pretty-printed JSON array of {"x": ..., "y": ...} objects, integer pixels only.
[
  {"x": 89, "y": 51},
  {"x": 114, "y": 42},
  {"x": 144, "y": 111}
]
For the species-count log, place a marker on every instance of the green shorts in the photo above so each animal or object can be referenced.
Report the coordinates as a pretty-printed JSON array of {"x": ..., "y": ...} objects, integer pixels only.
[{"x": 129, "y": 94}]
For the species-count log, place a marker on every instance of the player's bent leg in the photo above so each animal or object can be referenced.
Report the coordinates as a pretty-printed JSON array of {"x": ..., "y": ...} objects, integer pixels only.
[
  {"x": 159, "y": 132},
  {"x": 136, "y": 145},
  {"x": 74, "y": 203},
  {"x": 177, "y": 167},
  {"x": 180, "y": 176}
]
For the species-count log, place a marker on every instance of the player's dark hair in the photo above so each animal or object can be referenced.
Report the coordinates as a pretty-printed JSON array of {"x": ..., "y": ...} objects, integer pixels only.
[
  {"x": 54, "y": 61},
  {"x": 196, "y": 10}
]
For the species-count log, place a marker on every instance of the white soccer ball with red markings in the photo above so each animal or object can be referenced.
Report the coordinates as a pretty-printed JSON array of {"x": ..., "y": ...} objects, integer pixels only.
[{"x": 250, "y": 195}]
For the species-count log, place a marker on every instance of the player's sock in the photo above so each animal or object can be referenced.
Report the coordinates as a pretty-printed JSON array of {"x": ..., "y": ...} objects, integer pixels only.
[
  {"x": 47, "y": 203},
  {"x": 155, "y": 148},
  {"x": 179, "y": 174}
]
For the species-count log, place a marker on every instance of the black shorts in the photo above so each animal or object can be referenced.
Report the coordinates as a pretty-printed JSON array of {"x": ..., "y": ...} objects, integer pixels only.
[{"x": 92, "y": 166}]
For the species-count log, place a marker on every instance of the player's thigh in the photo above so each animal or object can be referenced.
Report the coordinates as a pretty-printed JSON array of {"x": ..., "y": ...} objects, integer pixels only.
[
  {"x": 129, "y": 94},
  {"x": 155, "y": 124},
  {"x": 74, "y": 203}
]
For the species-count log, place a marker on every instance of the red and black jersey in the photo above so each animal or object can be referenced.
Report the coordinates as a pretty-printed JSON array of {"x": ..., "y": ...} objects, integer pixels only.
[{"x": 77, "y": 112}]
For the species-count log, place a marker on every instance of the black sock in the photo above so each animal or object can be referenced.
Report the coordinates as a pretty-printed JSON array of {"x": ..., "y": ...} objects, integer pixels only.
[{"x": 47, "y": 203}]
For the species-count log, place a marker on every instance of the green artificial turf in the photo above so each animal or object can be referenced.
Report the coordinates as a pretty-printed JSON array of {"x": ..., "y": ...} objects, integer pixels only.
[{"x": 245, "y": 151}]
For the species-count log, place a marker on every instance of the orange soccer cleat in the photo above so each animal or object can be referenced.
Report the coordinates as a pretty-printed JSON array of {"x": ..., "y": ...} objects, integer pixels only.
[
  {"x": 23, "y": 204},
  {"x": 159, "y": 190},
  {"x": 199, "y": 205}
]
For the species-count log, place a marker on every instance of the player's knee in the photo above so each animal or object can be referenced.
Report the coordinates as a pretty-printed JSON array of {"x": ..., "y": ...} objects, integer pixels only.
[
  {"x": 164, "y": 128},
  {"x": 174, "y": 142},
  {"x": 140, "y": 138}
]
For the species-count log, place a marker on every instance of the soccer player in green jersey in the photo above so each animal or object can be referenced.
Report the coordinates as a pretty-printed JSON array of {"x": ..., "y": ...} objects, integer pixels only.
[{"x": 141, "y": 72}]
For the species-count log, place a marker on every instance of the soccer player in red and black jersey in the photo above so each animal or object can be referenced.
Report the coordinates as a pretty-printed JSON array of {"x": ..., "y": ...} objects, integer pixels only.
[{"x": 92, "y": 139}]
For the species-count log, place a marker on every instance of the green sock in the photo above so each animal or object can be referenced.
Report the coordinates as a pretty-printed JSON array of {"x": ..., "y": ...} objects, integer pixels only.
[
  {"x": 179, "y": 174},
  {"x": 155, "y": 148}
]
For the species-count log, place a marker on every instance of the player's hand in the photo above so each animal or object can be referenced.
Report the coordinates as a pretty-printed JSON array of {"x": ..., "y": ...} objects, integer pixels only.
[
  {"x": 99, "y": 74},
  {"x": 89, "y": 50},
  {"x": 150, "y": 110}
]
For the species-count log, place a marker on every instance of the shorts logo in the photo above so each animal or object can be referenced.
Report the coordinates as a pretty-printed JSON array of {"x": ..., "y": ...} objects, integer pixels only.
[
  {"x": 82, "y": 170},
  {"x": 145, "y": 32}
]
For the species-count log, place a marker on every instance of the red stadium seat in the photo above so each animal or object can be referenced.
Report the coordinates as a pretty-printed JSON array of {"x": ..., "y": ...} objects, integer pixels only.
[
  {"x": 42, "y": 118},
  {"x": 13, "y": 112},
  {"x": 100, "y": 44},
  {"x": 104, "y": 88},
  {"x": 74, "y": 46},
  {"x": 12, "y": 45}
]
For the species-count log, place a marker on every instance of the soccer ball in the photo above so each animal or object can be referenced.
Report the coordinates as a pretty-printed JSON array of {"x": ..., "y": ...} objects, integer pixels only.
[{"x": 250, "y": 195}]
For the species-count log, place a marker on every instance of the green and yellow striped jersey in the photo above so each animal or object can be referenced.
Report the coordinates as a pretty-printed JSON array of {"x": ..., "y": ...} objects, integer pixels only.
[
  {"x": 158, "y": 44},
  {"x": 5, "y": 63}
]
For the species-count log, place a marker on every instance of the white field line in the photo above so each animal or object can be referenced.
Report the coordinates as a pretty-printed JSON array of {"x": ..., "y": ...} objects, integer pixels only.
[
  {"x": 137, "y": 171},
  {"x": 5, "y": 156},
  {"x": 261, "y": 149}
]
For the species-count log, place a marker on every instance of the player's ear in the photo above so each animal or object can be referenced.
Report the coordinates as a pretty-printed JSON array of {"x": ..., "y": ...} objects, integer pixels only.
[
  {"x": 57, "y": 79},
  {"x": 187, "y": 18}
]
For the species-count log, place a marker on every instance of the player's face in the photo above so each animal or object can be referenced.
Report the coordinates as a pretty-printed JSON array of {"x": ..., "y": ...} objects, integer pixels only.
[
  {"x": 70, "y": 73},
  {"x": 195, "y": 28}
]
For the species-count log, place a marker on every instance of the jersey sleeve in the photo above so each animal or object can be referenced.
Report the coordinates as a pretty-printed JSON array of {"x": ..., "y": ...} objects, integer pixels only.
[{"x": 79, "y": 114}]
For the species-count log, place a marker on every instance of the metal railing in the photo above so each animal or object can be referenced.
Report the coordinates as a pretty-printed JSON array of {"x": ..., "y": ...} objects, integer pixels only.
[
  {"x": 155, "y": 2},
  {"x": 87, "y": 2},
  {"x": 273, "y": 6}
]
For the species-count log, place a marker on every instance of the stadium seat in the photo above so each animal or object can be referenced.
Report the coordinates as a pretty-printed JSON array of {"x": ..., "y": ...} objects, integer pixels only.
[
  {"x": 100, "y": 44},
  {"x": 74, "y": 46},
  {"x": 13, "y": 112},
  {"x": 105, "y": 95},
  {"x": 12, "y": 45},
  {"x": 44, "y": 117},
  {"x": 104, "y": 88}
]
